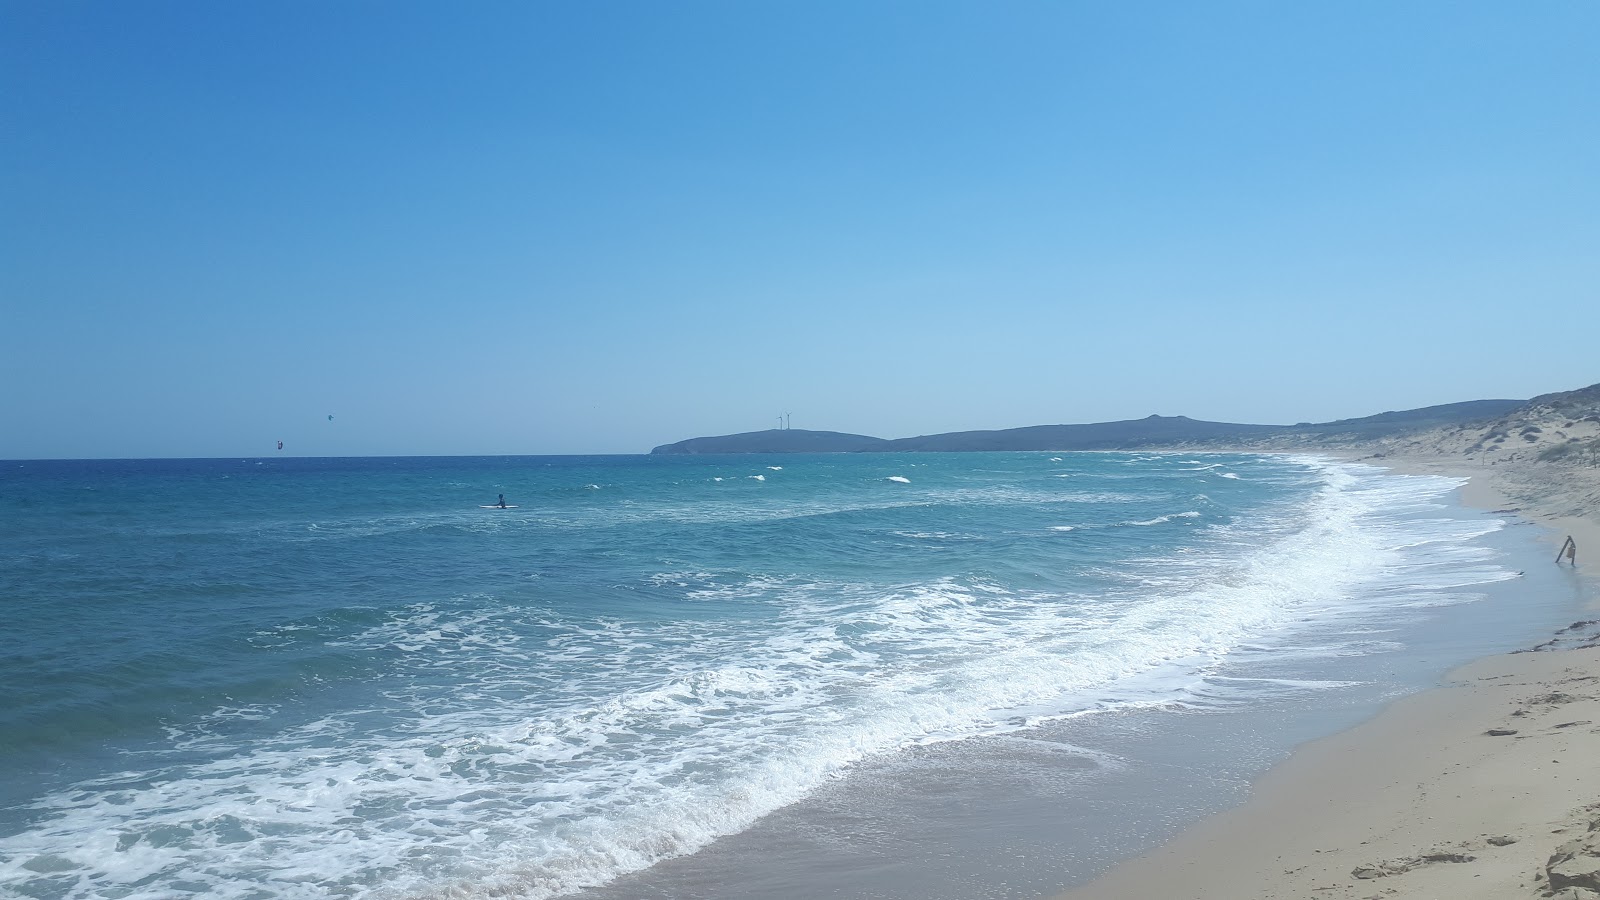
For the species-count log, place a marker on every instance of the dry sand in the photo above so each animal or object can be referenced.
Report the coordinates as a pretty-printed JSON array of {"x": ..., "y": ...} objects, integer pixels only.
[{"x": 1486, "y": 787}]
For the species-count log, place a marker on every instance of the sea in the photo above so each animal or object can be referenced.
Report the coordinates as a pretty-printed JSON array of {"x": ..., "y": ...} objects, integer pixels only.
[{"x": 828, "y": 675}]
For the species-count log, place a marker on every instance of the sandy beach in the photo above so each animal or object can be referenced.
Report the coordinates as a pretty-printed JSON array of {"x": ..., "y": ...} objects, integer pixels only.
[{"x": 1485, "y": 787}]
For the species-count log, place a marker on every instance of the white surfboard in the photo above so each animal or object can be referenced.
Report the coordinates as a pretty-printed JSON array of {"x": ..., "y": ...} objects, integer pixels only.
[{"x": 498, "y": 506}]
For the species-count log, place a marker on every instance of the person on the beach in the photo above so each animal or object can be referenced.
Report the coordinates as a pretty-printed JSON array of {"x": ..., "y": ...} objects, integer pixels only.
[{"x": 502, "y": 501}]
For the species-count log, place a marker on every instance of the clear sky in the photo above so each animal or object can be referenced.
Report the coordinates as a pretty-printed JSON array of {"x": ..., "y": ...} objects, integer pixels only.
[{"x": 597, "y": 227}]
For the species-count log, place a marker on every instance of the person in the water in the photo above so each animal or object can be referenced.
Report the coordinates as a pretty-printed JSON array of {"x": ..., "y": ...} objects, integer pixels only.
[{"x": 502, "y": 501}]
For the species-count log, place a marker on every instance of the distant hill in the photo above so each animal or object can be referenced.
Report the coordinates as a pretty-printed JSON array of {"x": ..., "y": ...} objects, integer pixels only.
[
  {"x": 1149, "y": 432},
  {"x": 775, "y": 440},
  {"x": 1579, "y": 403},
  {"x": 1097, "y": 436},
  {"x": 1388, "y": 423}
]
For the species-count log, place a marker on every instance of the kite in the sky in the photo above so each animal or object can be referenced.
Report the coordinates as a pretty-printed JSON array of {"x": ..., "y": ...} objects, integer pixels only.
[{"x": 330, "y": 417}]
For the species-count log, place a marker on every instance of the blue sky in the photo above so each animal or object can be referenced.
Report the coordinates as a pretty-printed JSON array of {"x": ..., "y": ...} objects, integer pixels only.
[{"x": 574, "y": 228}]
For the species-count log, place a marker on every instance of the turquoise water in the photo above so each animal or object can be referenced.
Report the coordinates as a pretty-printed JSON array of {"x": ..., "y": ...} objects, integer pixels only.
[{"x": 343, "y": 678}]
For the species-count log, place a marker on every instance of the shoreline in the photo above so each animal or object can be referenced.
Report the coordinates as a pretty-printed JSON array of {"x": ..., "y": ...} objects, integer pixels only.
[
  {"x": 1477, "y": 788},
  {"x": 1074, "y": 798}
]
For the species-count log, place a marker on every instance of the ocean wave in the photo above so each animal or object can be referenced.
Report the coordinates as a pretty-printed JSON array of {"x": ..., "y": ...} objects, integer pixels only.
[{"x": 519, "y": 747}]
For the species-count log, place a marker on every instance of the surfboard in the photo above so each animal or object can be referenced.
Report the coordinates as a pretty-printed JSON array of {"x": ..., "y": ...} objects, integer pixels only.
[{"x": 498, "y": 506}]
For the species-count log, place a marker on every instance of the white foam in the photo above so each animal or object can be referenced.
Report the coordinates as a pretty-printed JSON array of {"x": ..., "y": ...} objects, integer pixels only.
[
  {"x": 757, "y": 477},
  {"x": 776, "y": 468},
  {"x": 898, "y": 478}
]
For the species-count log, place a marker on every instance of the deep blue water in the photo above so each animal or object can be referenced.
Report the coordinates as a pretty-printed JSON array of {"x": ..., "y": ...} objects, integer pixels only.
[{"x": 343, "y": 678}]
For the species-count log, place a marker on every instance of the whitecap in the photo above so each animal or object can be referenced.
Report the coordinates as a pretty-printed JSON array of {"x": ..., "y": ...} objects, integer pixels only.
[
  {"x": 776, "y": 468},
  {"x": 900, "y": 478},
  {"x": 1191, "y": 514},
  {"x": 758, "y": 477}
]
